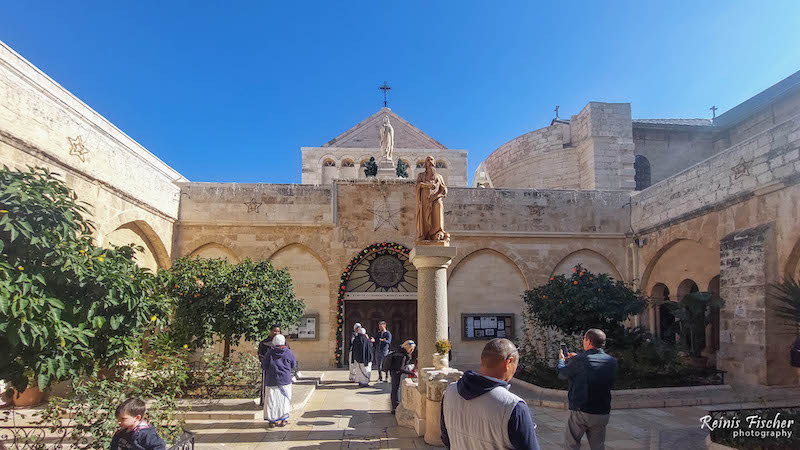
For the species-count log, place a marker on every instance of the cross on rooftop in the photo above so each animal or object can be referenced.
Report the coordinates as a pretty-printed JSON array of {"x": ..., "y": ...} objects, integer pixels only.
[
  {"x": 713, "y": 112},
  {"x": 385, "y": 88},
  {"x": 556, "y": 110}
]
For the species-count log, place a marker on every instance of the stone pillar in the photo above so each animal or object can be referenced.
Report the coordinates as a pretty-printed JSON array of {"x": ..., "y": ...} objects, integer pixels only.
[
  {"x": 754, "y": 347},
  {"x": 431, "y": 262}
]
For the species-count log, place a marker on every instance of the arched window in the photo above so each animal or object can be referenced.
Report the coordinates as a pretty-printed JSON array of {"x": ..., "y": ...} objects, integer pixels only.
[
  {"x": 329, "y": 163},
  {"x": 420, "y": 164},
  {"x": 364, "y": 163},
  {"x": 347, "y": 163},
  {"x": 642, "y": 167},
  {"x": 441, "y": 165}
]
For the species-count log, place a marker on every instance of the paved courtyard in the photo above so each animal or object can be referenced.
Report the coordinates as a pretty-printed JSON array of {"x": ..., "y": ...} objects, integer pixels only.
[{"x": 342, "y": 415}]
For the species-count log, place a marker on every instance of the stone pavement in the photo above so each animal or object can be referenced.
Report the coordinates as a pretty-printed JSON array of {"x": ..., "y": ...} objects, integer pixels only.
[{"x": 342, "y": 415}]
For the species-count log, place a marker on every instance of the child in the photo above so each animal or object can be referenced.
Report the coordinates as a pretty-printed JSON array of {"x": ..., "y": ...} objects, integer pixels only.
[{"x": 134, "y": 433}]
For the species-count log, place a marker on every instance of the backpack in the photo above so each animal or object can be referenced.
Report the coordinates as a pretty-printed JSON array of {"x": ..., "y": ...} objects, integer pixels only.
[{"x": 393, "y": 362}]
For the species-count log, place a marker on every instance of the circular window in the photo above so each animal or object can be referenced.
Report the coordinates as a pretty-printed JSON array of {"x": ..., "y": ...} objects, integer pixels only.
[{"x": 386, "y": 271}]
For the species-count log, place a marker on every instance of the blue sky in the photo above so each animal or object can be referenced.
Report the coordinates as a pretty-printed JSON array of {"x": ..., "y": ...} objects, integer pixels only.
[{"x": 231, "y": 91}]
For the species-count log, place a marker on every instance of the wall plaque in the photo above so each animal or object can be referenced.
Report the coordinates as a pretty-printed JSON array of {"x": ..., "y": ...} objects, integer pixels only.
[{"x": 487, "y": 326}]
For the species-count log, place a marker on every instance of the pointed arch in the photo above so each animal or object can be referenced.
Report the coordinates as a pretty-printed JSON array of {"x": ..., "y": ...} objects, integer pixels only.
[
  {"x": 215, "y": 250},
  {"x": 678, "y": 260},
  {"x": 135, "y": 221}
]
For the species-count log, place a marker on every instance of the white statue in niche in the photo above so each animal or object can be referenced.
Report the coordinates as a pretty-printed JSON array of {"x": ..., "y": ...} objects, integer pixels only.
[{"x": 387, "y": 138}]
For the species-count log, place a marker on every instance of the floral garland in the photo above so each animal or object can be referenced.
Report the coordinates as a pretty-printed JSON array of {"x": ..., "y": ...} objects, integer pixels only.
[{"x": 383, "y": 246}]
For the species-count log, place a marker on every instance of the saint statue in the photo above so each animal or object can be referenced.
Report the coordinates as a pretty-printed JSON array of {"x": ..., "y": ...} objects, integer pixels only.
[
  {"x": 430, "y": 208},
  {"x": 387, "y": 138}
]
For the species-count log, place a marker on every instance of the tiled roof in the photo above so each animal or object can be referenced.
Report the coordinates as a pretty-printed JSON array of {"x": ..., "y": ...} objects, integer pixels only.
[{"x": 689, "y": 122}]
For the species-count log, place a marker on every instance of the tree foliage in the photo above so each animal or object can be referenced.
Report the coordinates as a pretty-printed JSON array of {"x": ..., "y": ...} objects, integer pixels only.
[
  {"x": 582, "y": 301},
  {"x": 787, "y": 296},
  {"x": 402, "y": 169},
  {"x": 67, "y": 307},
  {"x": 371, "y": 168},
  {"x": 693, "y": 312},
  {"x": 232, "y": 301}
]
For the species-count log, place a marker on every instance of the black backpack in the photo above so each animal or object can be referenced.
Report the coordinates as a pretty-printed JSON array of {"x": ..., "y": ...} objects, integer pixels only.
[{"x": 393, "y": 362}]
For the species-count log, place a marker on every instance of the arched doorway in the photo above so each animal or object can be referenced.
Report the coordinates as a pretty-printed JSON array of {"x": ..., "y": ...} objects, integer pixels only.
[
  {"x": 380, "y": 284},
  {"x": 664, "y": 319}
]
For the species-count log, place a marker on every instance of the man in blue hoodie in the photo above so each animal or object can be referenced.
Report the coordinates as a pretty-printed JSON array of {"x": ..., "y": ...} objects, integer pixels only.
[{"x": 479, "y": 412}]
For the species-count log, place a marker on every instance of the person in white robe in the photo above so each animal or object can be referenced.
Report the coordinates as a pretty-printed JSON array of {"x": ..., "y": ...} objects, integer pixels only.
[
  {"x": 352, "y": 366},
  {"x": 362, "y": 357},
  {"x": 277, "y": 366}
]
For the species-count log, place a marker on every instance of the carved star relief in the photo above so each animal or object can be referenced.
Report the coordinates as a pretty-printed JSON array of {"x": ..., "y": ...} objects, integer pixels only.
[
  {"x": 741, "y": 169},
  {"x": 77, "y": 147},
  {"x": 252, "y": 206},
  {"x": 384, "y": 214}
]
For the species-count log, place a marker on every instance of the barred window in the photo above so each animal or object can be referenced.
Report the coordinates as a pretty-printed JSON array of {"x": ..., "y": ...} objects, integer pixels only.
[{"x": 642, "y": 167}]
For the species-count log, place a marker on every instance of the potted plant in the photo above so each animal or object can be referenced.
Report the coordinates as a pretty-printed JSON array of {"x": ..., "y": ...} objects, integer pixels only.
[
  {"x": 31, "y": 396},
  {"x": 440, "y": 358},
  {"x": 787, "y": 294}
]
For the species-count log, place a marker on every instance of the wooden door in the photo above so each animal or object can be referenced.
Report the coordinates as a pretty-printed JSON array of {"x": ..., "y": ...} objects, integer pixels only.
[{"x": 400, "y": 317}]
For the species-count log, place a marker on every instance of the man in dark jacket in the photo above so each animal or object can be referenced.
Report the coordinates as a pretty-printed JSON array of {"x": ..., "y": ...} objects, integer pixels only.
[
  {"x": 382, "y": 342},
  {"x": 479, "y": 411},
  {"x": 591, "y": 376}
]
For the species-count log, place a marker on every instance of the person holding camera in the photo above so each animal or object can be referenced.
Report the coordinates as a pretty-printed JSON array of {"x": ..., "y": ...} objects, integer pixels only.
[{"x": 591, "y": 376}]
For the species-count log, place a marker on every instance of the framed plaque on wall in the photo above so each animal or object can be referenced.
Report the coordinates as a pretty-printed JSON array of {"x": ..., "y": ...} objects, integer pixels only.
[
  {"x": 306, "y": 330},
  {"x": 487, "y": 326}
]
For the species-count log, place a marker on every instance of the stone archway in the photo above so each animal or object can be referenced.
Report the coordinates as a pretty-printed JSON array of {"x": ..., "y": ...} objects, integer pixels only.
[
  {"x": 153, "y": 255},
  {"x": 379, "y": 283}
]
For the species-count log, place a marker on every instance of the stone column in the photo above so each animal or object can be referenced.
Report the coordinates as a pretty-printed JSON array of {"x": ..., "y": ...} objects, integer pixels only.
[
  {"x": 754, "y": 346},
  {"x": 431, "y": 262}
]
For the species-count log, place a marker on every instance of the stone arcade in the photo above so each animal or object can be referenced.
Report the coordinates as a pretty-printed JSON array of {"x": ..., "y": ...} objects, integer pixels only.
[{"x": 672, "y": 205}]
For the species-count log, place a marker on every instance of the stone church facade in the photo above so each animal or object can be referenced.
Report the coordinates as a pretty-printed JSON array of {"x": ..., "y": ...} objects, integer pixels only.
[{"x": 670, "y": 205}]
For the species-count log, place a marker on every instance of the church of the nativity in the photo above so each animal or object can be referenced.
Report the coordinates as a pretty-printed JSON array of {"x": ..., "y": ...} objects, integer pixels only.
[{"x": 670, "y": 205}]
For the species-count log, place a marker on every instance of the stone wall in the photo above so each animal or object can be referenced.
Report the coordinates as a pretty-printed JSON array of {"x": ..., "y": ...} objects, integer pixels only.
[
  {"x": 541, "y": 159},
  {"x": 507, "y": 240},
  {"x": 132, "y": 192},
  {"x": 671, "y": 149},
  {"x": 769, "y": 158},
  {"x": 774, "y": 114},
  {"x": 603, "y": 135}
]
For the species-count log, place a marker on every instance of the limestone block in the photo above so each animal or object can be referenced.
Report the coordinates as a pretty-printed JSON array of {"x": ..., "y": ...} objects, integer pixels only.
[{"x": 433, "y": 423}]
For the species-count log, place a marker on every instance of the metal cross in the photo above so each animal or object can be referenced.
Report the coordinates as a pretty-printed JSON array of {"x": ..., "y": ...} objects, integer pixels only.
[
  {"x": 385, "y": 88},
  {"x": 713, "y": 112},
  {"x": 556, "y": 110}
]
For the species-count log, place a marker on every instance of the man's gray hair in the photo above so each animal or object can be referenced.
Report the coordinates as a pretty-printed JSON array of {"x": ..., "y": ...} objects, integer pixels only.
[
  {"x": 498, "y": 350},
  {"x": 596, "y": 336}
]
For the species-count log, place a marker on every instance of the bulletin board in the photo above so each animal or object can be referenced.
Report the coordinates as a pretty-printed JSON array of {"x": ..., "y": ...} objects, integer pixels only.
[
  {"x": 487, "y": 326},
  {"x": 306, "y": 330}
]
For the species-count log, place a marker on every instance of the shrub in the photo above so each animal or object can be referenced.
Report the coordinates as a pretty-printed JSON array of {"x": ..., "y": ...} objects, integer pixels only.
[
  {"x": 67, "y": 307},
  {"x": 583, "y": 301}
]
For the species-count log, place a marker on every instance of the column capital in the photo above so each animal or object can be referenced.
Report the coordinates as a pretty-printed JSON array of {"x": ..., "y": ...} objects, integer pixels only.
[{"x": 432, "y": 256}]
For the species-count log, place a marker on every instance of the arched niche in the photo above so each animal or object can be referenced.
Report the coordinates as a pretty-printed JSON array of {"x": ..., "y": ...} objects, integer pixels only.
[
  {"x": 485, "y": 281},
  {"x": 590, "y": 259},
  {"x": 214, "y": 250},
  {"x": 685, "y": 288},
  {"x": 140, "y": 234},
  {"x": 311, "y": 284}
]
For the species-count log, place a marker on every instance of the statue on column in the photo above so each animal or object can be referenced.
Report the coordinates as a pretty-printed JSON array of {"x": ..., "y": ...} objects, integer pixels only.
[
  {"x": 430, "y": 207},
  {"x": 387, "y": 138}
]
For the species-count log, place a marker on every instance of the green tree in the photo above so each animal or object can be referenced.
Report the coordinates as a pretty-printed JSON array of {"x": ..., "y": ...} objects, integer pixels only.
[
  {"x": 234, "y": 301},
  {"x": 67, "y": 307},
  {"x": 371, "y": 168},
  {"x": 693, "y": 312},
  {"x": 582, "y": 301},
  {"x": 402, "y": 169}
]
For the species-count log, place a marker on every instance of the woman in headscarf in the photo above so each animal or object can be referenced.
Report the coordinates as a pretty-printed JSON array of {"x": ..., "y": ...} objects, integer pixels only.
[
  {"x": 400, "y": 368},
  {"x": 277, "y": 365},
  {"x": 362, "y": 357},
  {"x": 352, "y": 366}
]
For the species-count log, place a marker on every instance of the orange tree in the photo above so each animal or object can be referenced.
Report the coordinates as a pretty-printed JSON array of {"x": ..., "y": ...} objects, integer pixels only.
[
  {"x": 219, "y": 300},
  {"x": 582, "y": 301},
  {"x": 67, "y": 307}
]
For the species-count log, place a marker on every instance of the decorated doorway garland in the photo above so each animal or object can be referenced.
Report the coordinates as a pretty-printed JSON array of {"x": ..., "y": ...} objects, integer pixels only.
[{"x": 382, "y": 246}]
